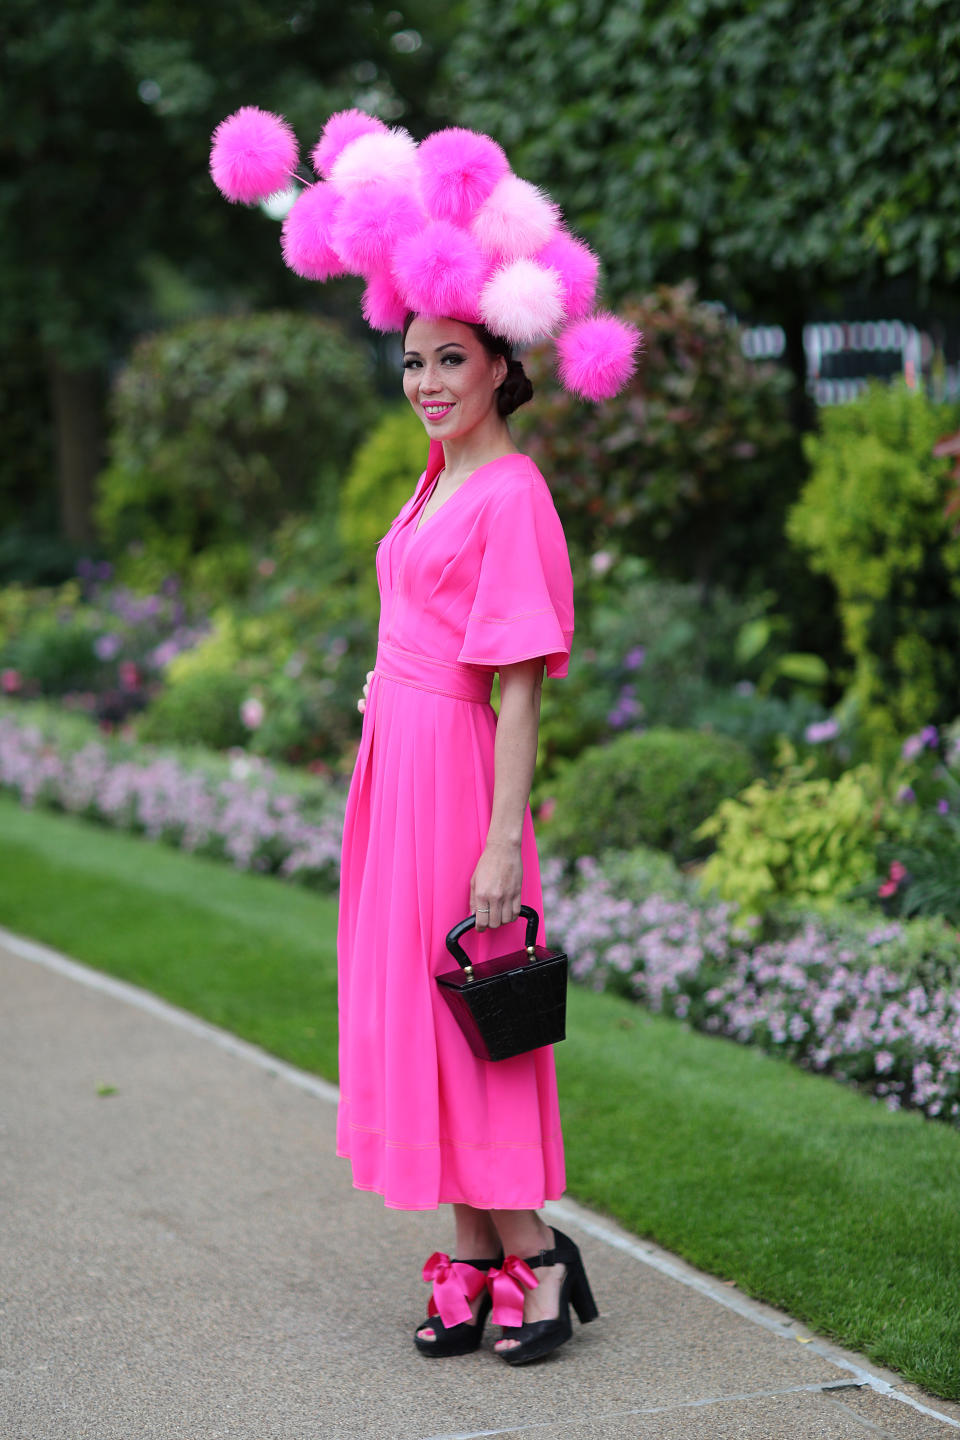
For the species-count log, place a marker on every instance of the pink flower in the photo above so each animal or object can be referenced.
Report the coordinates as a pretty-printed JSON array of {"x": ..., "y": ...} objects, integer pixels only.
[
  {"x": 129, "y": 675},
  {"x": 600, "y": 562},
  {"x": 252, "y": 713},
  {"x": 266, "y": 568},
  {"x": 10, "y": 681},
  {"x": 898, "y": 872},
  {"x": 546, "y": 809}
]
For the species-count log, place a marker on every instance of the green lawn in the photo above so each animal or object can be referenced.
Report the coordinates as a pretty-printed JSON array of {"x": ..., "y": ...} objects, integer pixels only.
[{"x": 807, "y": 1195}]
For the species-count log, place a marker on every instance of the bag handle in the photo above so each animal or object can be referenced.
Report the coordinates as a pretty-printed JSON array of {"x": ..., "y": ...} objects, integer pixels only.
[{"x": 461, "y": 928}]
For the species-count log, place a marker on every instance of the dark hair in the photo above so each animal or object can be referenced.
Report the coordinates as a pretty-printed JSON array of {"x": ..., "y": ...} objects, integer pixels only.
[{"x": 516, "y": 389}]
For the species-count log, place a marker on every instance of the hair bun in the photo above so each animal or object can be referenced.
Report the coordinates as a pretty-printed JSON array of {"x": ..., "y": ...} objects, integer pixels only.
[{"x": 516, "y": 389}]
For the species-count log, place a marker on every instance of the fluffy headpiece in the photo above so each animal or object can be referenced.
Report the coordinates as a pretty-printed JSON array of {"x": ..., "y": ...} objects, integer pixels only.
[{"x": 442, "y": 228}]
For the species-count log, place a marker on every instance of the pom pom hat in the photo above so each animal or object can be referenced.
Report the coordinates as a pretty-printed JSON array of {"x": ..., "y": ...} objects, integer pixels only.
[{"x": 443, "y": 228}]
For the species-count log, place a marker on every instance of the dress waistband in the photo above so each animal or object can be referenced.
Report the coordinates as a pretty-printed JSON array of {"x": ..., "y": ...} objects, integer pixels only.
[{"x": 441, "y": 677}]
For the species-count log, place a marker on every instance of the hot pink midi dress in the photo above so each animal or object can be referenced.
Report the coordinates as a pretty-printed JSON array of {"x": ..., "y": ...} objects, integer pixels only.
[{"x": 484, "y": 582}]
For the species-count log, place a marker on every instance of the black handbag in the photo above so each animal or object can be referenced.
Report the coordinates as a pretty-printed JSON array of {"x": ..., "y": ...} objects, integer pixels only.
[{"x": 511, "y": 1003}]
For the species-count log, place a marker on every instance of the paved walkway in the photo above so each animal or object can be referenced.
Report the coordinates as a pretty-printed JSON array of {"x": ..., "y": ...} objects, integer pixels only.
[{"x": 182, "y": 1258}]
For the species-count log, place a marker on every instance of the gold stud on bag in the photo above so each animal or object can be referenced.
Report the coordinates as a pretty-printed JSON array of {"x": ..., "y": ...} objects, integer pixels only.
[{"x": 511, "y": 1003}]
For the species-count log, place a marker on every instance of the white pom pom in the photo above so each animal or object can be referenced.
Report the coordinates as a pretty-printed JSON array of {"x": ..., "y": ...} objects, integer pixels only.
[
  {"x": 515, "y": 220},
  {"x": 522, "y": 302},
  {"x": 381, "y": 155}
]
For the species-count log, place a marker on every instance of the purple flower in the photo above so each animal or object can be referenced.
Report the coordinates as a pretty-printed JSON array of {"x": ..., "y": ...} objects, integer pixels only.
[
  {"x": 821, "y": 730},
  {"x": 943, "y": 806},
  {"x": 107, "y": 647},
  {"x": 634, "y": 658},
  {"x": 912, "y": 747},
  {"x": 930, "y": 736},
  {"x": 905, "y": 795}
]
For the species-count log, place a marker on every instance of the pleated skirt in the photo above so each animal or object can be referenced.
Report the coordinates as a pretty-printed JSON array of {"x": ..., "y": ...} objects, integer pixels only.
[{"x": 422, "y": 1120}]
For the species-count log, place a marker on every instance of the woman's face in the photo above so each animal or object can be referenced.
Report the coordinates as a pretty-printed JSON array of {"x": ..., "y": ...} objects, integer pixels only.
[{"x": 449, "y": 378}]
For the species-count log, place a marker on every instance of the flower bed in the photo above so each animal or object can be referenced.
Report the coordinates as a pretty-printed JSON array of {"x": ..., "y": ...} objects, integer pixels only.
[
  {"x": 866, "y": 999},
  {"x": 862, "y": 1005},
  {"x": 246, "y": 815}
]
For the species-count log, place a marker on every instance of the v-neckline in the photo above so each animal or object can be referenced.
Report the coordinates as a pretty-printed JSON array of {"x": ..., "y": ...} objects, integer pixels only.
[{"x": 431, "y": 484}]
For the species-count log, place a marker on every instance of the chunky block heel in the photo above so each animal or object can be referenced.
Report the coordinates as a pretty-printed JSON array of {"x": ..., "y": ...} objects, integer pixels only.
[
  {"x": 538, "y": 1338},
  {"x": 581, "y": 1296}
]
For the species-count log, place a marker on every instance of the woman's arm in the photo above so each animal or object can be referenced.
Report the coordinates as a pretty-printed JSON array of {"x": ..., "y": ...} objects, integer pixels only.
[{"x": 496, "y": 880}]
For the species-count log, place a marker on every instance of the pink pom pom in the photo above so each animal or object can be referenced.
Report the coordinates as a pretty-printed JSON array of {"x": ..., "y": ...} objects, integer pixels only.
[
  {"x": 383, "y": 309},
  {"x": 370, "y": 221},
  {"x": 380, "y": 155},
  {"x": 253, "y": 155},
  {"x": 439, "y": 271},
  {"x": 578, "y": 269},
  {"x": 459, "y": 169},
  {"x": 522, "y": 302},
  {"x": 342, "y": 128},
  {"x": 515, "y": 220},
  {"x": 307, "y": 234},
  {"x": 598, "y": 356}
]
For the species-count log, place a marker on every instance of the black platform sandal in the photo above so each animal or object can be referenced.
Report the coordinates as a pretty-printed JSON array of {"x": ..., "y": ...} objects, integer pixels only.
[
  {"x": 539, "y": 1337},
  {"x": 455, "y": 1284}
]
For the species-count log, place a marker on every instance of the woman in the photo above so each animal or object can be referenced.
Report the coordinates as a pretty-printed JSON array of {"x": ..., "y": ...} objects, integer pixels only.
[{"x": 474, "y": 578}]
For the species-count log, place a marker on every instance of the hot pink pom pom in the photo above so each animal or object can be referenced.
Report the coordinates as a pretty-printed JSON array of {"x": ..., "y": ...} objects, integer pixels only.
[
  {"x": 515, "y": 220},
  {"x": 578, "y": 269},
  {"x": 253, "y": 155},
  {"x": 342, "y": 128},
  {"x": 307, "y": 234},
  {"x": 597, "y": 356},
  {"x": 522, "y": 302},
  {"x": 370, "y": 221},
  {"x": 380, "y": 155},
  {"x": 383, "y": 308},
  {"x": 440, "y": 270},
  {"x": 459, "y": 169}
]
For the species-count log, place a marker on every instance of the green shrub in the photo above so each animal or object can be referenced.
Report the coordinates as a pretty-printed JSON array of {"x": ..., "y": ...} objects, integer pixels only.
[
  {"x": 652, "y": 788},
  {"x": 48, "y": 638},
  {"x": 872, "y": 518},
  {"x": 382, "y": 475},
  {"x": 653, "y": 652},
  {"x": 796, "y": 840},
  {"x": 693, "y": 465},
  {"x": 758, "y": 721},
  {"x": 203, "y": 708},
  {"x": 223, "y": 426}
]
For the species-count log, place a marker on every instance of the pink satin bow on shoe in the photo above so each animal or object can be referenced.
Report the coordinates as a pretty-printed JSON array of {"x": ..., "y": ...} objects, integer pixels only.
[
  {"x": 506, "y": 1287},
  {"x": 454, "y": 1286}
]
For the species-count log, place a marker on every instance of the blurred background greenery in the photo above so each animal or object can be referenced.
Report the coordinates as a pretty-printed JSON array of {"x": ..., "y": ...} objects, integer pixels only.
[{"x": 200, "y": 450}]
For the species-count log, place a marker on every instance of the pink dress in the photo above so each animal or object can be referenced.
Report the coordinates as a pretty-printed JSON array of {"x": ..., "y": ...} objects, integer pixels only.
[{"x": 484, "y": 582}]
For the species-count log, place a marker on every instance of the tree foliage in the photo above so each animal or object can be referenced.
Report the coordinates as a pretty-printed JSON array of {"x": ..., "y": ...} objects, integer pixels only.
[
  {"x": 752, "y": 145},
  {"x": 106, "y": 111}
]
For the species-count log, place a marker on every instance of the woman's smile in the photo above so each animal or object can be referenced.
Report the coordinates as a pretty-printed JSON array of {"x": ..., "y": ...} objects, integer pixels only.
[{"x": 436, "y": 409}]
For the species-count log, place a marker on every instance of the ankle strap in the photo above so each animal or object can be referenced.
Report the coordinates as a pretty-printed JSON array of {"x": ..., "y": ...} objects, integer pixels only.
[
  {"x": 545, "y": 1257},
  {"x": 480, "y": 1264}
]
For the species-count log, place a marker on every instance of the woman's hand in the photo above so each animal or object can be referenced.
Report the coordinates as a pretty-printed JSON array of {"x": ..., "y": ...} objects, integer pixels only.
[
  {"x": 362, "y": 702},
  {"x": 495, "y": 885}
]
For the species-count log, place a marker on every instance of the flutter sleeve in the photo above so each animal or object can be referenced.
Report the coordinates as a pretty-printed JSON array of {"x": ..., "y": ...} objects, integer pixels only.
[{"x": 523, "y": 607}]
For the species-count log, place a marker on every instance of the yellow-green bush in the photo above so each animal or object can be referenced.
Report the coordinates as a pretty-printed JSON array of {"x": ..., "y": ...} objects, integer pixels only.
[
  {"x": 802, "y": 841},
  {"x": 872, "y": 518},
  {"x": 382, "y": 475}
]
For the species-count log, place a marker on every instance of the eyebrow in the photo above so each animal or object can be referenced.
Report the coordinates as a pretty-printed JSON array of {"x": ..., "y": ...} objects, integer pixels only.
[{"x": 447, "y": 345}]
